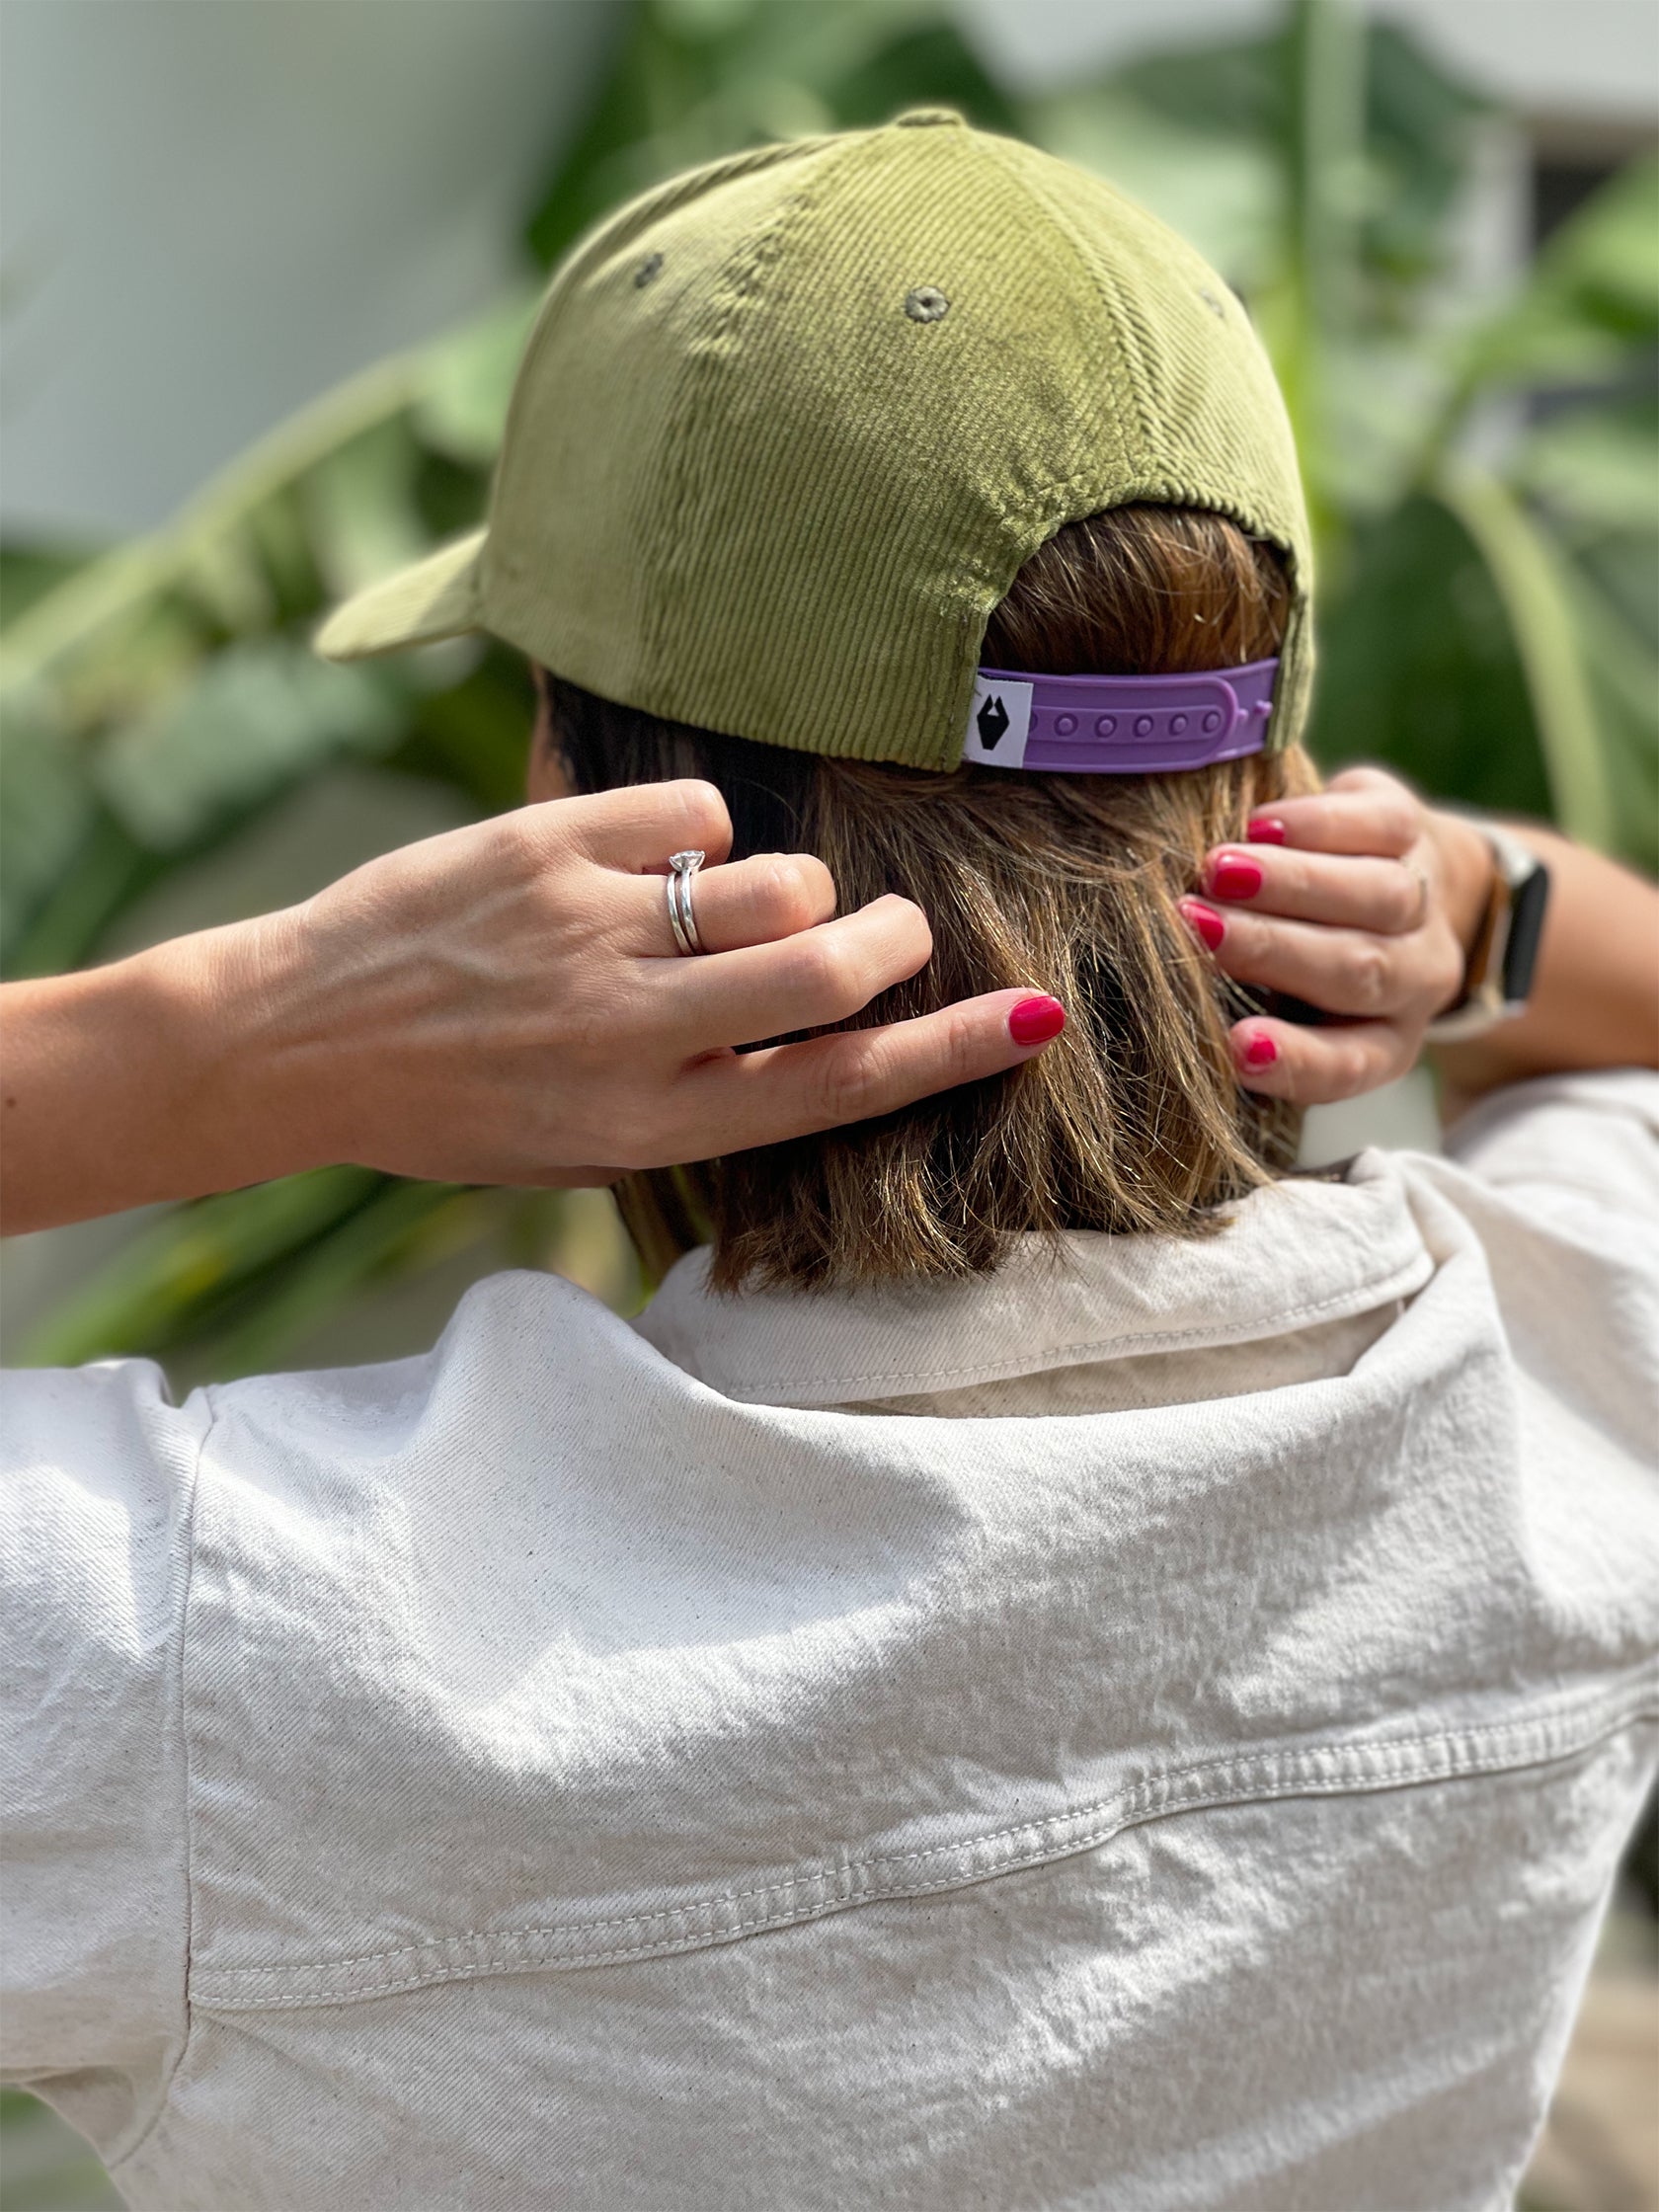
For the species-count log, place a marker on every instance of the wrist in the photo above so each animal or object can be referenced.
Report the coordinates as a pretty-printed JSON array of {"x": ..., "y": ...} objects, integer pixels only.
[
  {"x": 217, "y": 1008},
  {"x": 1467, "y": 866}
]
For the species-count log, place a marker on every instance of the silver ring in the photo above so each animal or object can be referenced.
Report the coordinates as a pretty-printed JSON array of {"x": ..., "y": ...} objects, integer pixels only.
[{"x": 682, "y": 867}]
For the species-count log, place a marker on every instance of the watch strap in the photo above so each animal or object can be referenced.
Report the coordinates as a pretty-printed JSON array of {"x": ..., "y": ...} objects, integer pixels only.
[{"x": 1503, "y": 954}]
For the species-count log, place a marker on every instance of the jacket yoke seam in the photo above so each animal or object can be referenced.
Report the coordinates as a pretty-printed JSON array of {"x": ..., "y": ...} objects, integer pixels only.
[{"x": 1542, "y": 1739}]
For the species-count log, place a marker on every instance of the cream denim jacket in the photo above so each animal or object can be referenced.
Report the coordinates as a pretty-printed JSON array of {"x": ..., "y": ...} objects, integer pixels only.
[{"x": 1154, "y": 1727}]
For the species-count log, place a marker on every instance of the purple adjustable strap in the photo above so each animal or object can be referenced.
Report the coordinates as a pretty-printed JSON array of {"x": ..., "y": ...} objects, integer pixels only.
[{"x": 1118, "y": 725}]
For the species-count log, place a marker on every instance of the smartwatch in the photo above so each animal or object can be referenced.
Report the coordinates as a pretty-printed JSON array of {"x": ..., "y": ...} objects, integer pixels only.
[{"x": 1499, "y": 973}]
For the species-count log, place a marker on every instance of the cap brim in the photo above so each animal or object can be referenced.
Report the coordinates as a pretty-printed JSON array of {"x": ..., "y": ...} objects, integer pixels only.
[{"x": 438, "y": 598}]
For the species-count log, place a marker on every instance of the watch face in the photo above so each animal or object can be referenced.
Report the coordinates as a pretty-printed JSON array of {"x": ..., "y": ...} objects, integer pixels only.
[{"x": 1528, "y": 901}]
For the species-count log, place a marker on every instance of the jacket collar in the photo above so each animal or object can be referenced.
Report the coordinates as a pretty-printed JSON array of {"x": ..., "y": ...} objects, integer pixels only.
[{"x": 1293, "y": 1254}]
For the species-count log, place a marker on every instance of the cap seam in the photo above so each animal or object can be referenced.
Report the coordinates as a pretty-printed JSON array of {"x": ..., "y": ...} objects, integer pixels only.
[
  {"x": 752, "y": 257},
  {"x": 648, "y": 206},
  {"x": 1128, "y": 342}
]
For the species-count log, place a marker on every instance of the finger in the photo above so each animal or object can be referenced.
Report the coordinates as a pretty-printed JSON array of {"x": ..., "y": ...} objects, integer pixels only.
[
  {"x": 752, "y": 901},
  {"x": 763, "y": 1098},
  {"x": 638, "y": 825},
  {"x": 806, "y": 982},
  {"x": 1352, "y": 891},
  {"x": 1316, "y": 1067},
  {"x": 1340, "y": 971},
  {"x": 1362, "y": 810}
]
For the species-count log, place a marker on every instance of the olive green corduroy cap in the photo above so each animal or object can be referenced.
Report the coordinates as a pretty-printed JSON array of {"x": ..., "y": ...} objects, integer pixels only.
[{"x": 788, "y": 426}]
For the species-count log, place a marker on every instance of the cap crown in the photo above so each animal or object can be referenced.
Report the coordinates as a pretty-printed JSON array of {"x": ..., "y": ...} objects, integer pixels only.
[{"x": 788, "y": 426}]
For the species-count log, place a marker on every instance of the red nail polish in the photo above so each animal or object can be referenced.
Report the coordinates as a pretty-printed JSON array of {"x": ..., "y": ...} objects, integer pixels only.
[
  {"x": 1205, "y": 920},
  {"x": 1265, "y": 830},
  {"x": 1035, "y": 1020},
  {"x": 1233, "y": 876},
  {"x": 1260, "y": 1051}
]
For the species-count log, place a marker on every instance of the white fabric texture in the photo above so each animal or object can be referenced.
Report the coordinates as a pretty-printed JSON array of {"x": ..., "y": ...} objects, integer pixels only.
[{"x": 1155, "y": 1730}]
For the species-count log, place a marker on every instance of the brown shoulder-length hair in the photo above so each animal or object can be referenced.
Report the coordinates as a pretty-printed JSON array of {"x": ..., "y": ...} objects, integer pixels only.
[{"x": 1133, "y": 1121}]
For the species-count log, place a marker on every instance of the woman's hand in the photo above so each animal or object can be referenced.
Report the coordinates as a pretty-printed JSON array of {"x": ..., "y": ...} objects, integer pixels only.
[
  {"x": 1359, "y": 901},
  {"x": 500, "y": 1004}
]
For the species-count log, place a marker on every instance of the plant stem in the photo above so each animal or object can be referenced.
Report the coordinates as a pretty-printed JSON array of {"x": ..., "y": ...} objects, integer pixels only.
[
  {"x": 1324, "y": 53},
  {"x": 1542, "y": 622},
  {"x": 97, "y": 594}
]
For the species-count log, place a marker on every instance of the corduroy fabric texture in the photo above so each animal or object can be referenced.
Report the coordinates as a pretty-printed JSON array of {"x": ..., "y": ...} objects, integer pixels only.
[{"x": 788, "y": 426}]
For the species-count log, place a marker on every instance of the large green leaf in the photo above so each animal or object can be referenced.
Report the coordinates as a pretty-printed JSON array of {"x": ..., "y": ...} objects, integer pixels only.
[
  {"x": 195, "y": 1261},
  {"x": 929, "y": 66},
  {"x": 461, "y": 406},
  {"x": 1591, "y": 297},
  {"x": 1607, "y": 257},
  {"x": 28, "y": 569},
  {"x": 1236, "y": 87},
  {"x": 364, "y": 520},
  {"x": 1418, "y": 122},
  {"x": 81, "y": 899},
  {"x": 1621, "y": 667},
  {"x": 1595, "y": 469},
  {"x": 1404, "y": 171},
  {"x": 45, "y": 808},
  {"x": 1623, "y": 565},
  {"x": 261, "y": 713},
  {"x": 1217, "y": 187},
  {"x": 694, "y": 79},
  {"x": 373, "y": 1240},
  {"x": 1418, "y": 667},
  {"x": 93, "y": 625},
  {"x": 475, "y": 734}
]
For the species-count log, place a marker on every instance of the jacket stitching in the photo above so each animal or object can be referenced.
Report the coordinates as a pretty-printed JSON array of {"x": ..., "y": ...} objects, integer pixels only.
[
  {"x": 186, "y": 1536},
  {"x": 1367, "y": 1766},
  {"x": 1374, "y": 1293},
  {"x": 1389, "y": 1747}
]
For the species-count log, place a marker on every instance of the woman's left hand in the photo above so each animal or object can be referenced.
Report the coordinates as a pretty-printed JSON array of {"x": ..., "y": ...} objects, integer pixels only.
[{"x": 1360, "y": 901}]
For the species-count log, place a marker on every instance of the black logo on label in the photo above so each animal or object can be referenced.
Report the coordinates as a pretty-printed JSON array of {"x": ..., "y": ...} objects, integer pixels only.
[{"x": 991, "y": 720}]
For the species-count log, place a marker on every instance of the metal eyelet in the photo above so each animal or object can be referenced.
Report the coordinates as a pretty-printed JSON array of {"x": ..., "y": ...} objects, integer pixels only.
[
  {"x": 926, "y": 304},
  {"x": 647, "y": 271}
]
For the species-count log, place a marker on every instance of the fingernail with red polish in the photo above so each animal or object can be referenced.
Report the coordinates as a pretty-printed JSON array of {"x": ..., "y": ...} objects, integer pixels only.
[
  {"x": 1265, "y": 830},
  {"x": 1035, "y": 1020},
  {"x": 1205, "y": 921},
  {"x": 1259, "y": 1050},
  {"x": 1233, "y": 876}
]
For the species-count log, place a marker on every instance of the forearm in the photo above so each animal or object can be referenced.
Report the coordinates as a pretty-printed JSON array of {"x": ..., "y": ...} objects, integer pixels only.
[
  {"x": 137, "y": 1083},
  {"x": 504, "y": 1003},
  {"x": 1595, "y": 998}
]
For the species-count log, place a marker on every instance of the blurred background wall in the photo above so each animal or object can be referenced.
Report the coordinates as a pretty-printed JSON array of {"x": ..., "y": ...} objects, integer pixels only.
[{"x": 209, "y": 212}]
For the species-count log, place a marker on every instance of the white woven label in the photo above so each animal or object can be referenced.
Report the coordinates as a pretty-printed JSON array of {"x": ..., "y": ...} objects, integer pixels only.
[{"x": 998, "y": 722}]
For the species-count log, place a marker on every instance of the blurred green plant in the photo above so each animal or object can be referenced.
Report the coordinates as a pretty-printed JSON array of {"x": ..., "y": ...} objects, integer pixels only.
[
  {"x": 1482, "y": 473},
  {"x": 47, "y": 2168}
]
